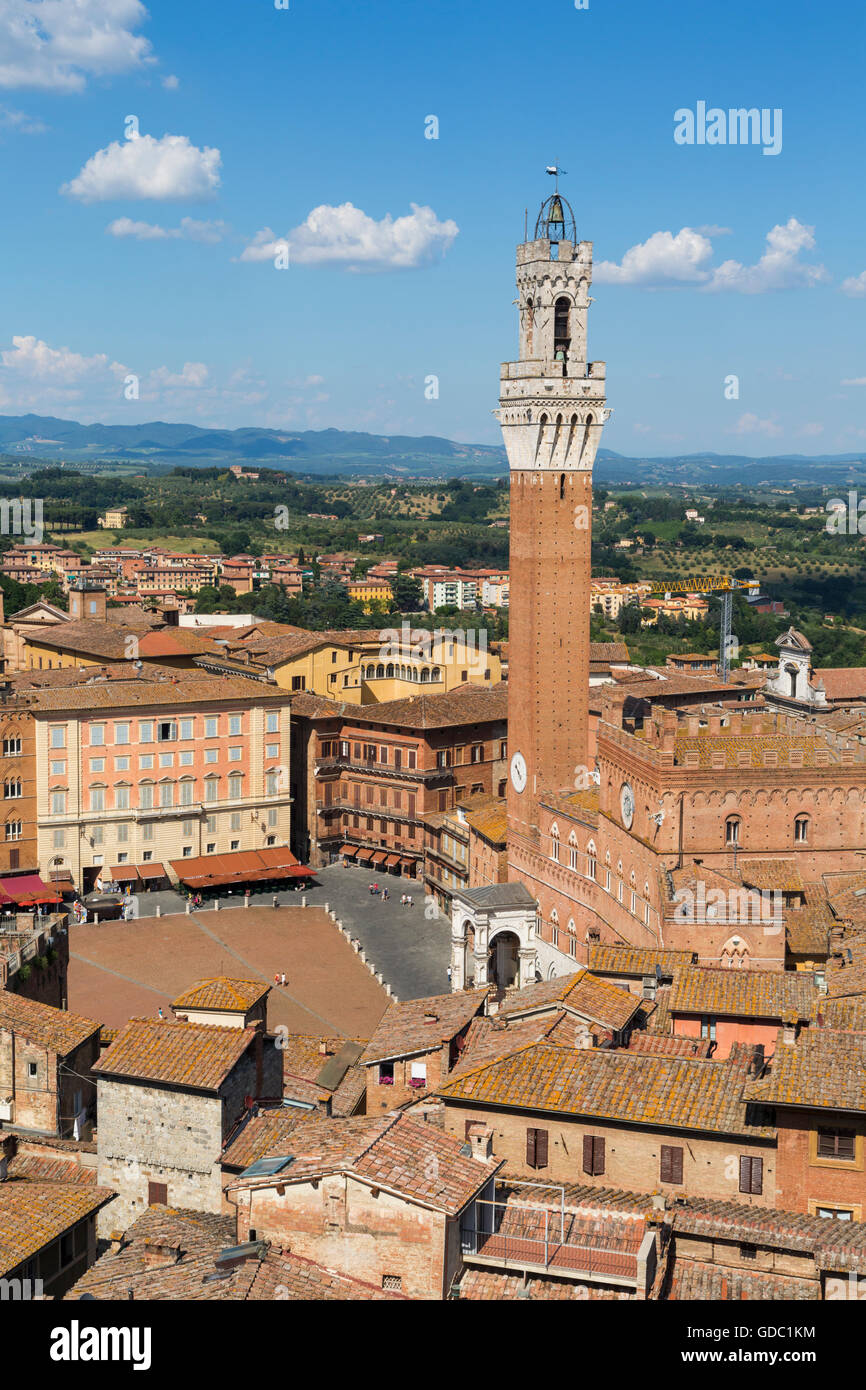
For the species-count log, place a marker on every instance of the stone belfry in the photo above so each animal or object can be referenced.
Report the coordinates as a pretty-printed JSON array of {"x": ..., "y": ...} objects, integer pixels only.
[{"x": 552, "y": 410}]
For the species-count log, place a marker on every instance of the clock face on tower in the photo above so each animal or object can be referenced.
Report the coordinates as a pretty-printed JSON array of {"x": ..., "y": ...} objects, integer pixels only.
[
  {"x": 626, "y": 803},
  {"x": 518, "y": 772}
]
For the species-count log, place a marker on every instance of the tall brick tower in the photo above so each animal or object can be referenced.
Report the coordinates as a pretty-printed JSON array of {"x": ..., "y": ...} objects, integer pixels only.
[{"x": 552, "y": 411}]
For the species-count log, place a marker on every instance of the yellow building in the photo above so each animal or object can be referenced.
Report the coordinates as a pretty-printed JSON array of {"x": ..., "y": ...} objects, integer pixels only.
[
  {"x": 358, "y": 667},
  {"x": 115, "y": 518},
  {"x": 369, "y": 591}
]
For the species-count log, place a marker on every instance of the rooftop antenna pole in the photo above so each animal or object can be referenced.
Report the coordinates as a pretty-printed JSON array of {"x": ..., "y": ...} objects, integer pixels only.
[{"x": 526, "y": 224}]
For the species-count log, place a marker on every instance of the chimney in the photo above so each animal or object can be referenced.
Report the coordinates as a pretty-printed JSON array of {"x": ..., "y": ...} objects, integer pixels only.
[
  {"x": 481, "y": 1139},
  {"x": 161, "y": 1251},
  {"x": 789, "y": 1030}
]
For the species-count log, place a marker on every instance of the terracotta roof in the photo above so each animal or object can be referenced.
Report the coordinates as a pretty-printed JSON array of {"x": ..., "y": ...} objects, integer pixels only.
[
  {"x": 846, "y": 973},
  {"x": 422, "y": 1025},
  {"x": 824, "y": 1069},
  {"x": 153, "y": 686},
  {"x": 471, "y": 705},
  {"x": 198, "y": 1055},
  {"x": 848, "y": 1014},
  {"x": 694, "y": 1280},
  {"x": 491, "y": 820},
  {"x": 842, "y": 682},
  {"x": 34, "y": 1214},
  {"x": 391, "y": 1151},
  {"x": 669, "y": 1047},
  {"x": 36, "y": 1168},
  {"x": 310, "y": 1074},
  {"x": 193, "y": 1241},
  {"x": 491, "y": 1285},
  {"x": 595, "y": 999},
  {"x": 266, "y": 1134},
  {"x": 636, "y": 961},
  {"x": 835, "y": 1244},
  {"x": 771, "y": 994},
  {"x": 767, "y": 874},
  {"x": 222, "y": 993},
  {"x": 55, "y": 1029},
  {"x": 674, "y": 1092}
]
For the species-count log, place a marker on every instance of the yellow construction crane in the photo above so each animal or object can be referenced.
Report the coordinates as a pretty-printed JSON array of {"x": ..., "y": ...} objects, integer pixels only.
[{"x": 724, "y": 584}]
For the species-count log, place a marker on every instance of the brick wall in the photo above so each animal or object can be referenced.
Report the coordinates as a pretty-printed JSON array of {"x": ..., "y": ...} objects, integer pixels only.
[
  {"x": 711, "y": 1166},
  {"x": 349, "y": 1227}
]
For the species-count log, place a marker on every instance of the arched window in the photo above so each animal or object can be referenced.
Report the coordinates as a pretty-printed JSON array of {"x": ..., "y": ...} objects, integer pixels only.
[
  {"x": 732, "y": 830},
  {"x": 380, "y": 671},
  {"x": 554, "y": 842},
  {"x": 591, "y": 861},
  {"x": 12, "y": 788},
  {"x": 801, "y": 830},
  {"x": 14, "y": 829},
  {"x": 561, "y": 330},
  {"x": 554, "y": 928},
  {"x": 389, "y": 670},
  {"x": 435, "y": 674},
  {"x": 425, "y": 674}
]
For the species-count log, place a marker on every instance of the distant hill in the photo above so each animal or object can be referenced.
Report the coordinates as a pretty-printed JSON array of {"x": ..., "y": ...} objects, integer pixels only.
[{"x": 349, "y": 453}]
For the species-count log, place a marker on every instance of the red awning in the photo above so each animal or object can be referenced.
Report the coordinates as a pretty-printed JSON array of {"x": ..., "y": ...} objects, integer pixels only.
[
  {"x": 146, "y": 871},
  {"x": 380, "y": 856},
  {"x": 392, "y": 860},
  {"x": 349, "y": 850},
  {"x": 124, "y": 873},
  {"x": 365, "y": 855},
  {"x": 26, "y": 890}
]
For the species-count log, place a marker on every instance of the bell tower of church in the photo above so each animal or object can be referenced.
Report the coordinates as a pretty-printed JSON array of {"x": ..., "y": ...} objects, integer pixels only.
[{"x": 552, "y": 410}]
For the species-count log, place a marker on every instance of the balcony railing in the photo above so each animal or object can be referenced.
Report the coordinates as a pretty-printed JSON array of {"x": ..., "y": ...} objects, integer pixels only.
[{"x": 506, "y": 1234}]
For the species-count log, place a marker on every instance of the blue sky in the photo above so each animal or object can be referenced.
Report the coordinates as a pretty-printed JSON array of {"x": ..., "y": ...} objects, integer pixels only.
[{"x": 155, "y": 257}]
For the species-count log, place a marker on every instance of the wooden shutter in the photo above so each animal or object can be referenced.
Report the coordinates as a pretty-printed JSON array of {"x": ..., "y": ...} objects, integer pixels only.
[
  {"x": 593, "y": 1155},
  {"x": 671, "y": 1164},
  {"x": 587, "y": 1153},
  {"x": 757, "y": 1186},
  {"x": 157, "y": 1194},
  {"x": 541, "y": 1148},
  {"x": 751, "y": 1175},
  {"x": 530, "y": 1148}
]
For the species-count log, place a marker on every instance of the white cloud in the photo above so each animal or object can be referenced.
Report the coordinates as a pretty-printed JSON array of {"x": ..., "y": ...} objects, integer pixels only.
[
  {"x": 146, "y": 167},
  {"x": 855, "y": 285},
  {"x": 35, "y": 359},
  {"x": 20, "y": 121},
  {"x": 662, "y": 259},
  {"x": 853, "y": 381},
  {"x": 683, "y": 259},
  {"x": 193, "y": 375},
  {"x": 752, "y": 424},
  {"x": 780, "y": 267},
  {"x": 642, "y": 429},
  {"x": 57, "y": 44},
  {"x": 189, "y": 230},
  {"x": 811, "y": 429},
  {"x": 345, "y": 236},
  {"x": 170, "y": 82}
]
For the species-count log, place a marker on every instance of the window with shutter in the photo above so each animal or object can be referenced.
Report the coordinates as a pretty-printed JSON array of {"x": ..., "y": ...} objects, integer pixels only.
[
  {"x": 536, "y": 1148},
  {"x": 752, "y": 1175},
  {"x": 593, "y": 1155},
  {"x": 671, "y": 1164},
  {"x": 157, "y": 1194},
  {"x": 837, "y": 1143}
]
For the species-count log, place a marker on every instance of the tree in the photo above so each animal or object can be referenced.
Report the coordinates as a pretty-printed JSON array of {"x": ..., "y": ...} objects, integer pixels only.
[{"x": 408, "y": 594}]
